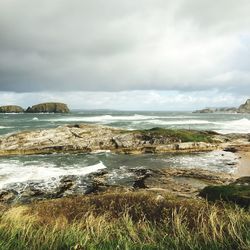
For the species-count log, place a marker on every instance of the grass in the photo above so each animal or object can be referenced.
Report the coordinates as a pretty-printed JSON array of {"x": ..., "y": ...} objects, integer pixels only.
[
  {"x": 177, "y": 134},
  {"x": 238, "y": 194},
  {"x": 124, "y": 220}
]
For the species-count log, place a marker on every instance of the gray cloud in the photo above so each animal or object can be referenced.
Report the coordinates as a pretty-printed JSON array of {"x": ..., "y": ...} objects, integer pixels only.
[{"x": 115, "y": 45}]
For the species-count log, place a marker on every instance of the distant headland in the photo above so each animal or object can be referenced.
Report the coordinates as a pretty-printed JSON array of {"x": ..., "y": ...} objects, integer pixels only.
[
  {"x": 47, "y": 107},
  {"x": 243, "y": 108}
]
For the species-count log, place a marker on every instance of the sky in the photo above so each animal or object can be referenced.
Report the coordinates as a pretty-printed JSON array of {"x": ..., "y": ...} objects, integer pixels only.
[{"x": 130, "y": 55}]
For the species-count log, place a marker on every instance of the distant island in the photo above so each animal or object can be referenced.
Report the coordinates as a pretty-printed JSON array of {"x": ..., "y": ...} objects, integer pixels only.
[
  {"x": 243, "y": 108},
  {"x": 47, "y": 107}
]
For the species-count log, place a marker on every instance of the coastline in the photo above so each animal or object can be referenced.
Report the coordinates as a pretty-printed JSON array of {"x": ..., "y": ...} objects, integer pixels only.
[{"x": 151, "y": 203}]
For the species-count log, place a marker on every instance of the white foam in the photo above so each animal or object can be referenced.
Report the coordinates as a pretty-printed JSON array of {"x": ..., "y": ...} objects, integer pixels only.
[
  {"x": 236, "y": 126},
  {"x": 35, "y": 119},
  {"x": 105, "y": 118},
  {"x": 3, "y": 127},
  {"x": 181, "y": 122},
  {"x": 20, "y": 113},
  {"x": 215, "y": 161},
  {"x": 16, "y": 171}
]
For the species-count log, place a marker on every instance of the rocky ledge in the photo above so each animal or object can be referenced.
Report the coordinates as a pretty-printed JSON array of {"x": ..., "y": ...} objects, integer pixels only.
[
  {"x": 181, "y": 182},
  {"x": 83, "y": 138},
  {"x": 185, "y": 183}
]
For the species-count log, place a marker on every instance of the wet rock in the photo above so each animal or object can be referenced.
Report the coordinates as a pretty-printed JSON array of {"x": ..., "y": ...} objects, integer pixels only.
[
  {"x": 97, "y": 182},
  {"x": 31, "y": 193},
  {"x": 141, "y": 176},
  {"x": 95, "y": 187},
  {"x": 65, "y": 184},
  {"x": 231, "y": 149},
  {"x": 182, "y": 182},
  {"x": 176, "y": 180},
  {"x": 149, "y": 149},
  {"x": 8, "y": 196}
]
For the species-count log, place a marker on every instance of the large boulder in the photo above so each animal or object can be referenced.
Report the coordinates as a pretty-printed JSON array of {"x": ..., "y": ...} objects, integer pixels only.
[
  {"x": 48, "y": 107},
  {"x": 11, "y": 109},
  {"x": 244, "y": 108}
]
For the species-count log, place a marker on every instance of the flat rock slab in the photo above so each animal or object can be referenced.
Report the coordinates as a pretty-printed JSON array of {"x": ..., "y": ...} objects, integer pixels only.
[{"x": 82, "y": 138}]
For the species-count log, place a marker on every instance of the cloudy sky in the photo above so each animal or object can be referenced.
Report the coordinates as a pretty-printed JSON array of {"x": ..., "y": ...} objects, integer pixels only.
[{"x": 133, "y": 54}]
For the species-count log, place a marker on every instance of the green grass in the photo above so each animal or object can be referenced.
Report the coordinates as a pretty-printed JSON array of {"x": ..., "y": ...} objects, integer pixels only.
[
  {"x": 177, "y": 134},
  {"x": 238, "y": 194},
  {"x": 124, "y": 220}
]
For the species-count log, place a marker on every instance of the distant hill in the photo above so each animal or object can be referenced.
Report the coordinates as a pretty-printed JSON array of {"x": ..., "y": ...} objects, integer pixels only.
[{"x": 243, "y": 108}]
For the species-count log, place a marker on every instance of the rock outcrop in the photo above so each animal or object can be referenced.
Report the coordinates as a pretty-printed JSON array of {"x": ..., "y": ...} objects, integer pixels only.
[
  {"x": 217, "y": 110},
  {"x": 90, "y": 138},
  {"x": 244, "y": 108},
  {"x": 49, "y": 107},
  {"x": 11, "y": 109},
  {"x": 206, "y": 110}
]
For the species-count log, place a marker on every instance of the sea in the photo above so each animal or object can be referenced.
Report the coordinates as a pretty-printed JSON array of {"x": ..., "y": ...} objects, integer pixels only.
[{"x": 20, "y": 169}]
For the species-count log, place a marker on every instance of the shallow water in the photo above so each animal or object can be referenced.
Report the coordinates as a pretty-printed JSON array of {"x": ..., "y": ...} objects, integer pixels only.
[
  {"x": 223, "y": 123},
  {"x": 46, "y": 167}
]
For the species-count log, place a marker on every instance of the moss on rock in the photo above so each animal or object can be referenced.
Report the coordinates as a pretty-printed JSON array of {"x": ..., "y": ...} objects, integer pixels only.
[
  {"x": 237, "y": 192},
  {"x": 180, "y": 135}
]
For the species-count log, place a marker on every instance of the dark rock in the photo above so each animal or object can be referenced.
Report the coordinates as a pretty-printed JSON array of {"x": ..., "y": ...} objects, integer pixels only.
[
  {"x": 230, "y": 149},
  {"x": 141, "y": 176},
  {"x": 65, "y": 184},
  {"x": 50, "y": 107},
  {"x": 8, "y": 196},
  {"x": 96, "y": 182},
  {"x": 206, "y": 110},
  {"x": 149, "y": 149}
]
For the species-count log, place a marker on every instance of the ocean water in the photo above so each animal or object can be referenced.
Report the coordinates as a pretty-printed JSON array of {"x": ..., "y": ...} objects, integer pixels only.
[
  {"x": 46, "y": 167},
  {"x": 222, "y": 123}
]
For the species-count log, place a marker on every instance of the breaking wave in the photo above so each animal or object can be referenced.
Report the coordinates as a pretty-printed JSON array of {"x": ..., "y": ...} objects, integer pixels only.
[{"x": 12, "y": 171}]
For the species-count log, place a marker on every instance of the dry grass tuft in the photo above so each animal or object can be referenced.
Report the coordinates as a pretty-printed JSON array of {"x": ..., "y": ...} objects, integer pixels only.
[{"x": 124, "y": 220}]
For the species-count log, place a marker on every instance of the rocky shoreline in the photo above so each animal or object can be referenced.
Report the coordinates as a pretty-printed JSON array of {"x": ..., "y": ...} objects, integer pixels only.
[
  {"x": 243, "y": 108},
  {"x": 181, "y": 182},
  {"x": 84, "y": 138}
]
